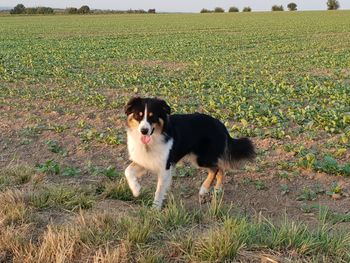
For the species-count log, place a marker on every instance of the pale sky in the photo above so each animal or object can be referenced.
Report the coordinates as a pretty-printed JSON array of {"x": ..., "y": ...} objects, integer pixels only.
[{"x": 176, "y": 5}]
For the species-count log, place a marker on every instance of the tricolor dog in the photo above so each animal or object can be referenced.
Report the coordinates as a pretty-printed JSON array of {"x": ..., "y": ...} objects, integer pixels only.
[{"x": 158, "y": 140}]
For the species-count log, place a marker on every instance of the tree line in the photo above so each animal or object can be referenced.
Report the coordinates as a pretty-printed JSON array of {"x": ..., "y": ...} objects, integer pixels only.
[
  {"x": 331, "y": 5},
  {"x": 21, "y": 9}
]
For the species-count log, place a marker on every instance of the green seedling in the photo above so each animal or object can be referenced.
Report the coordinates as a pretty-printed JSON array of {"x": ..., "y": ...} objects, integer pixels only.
[{"x": 49, "y": 166}]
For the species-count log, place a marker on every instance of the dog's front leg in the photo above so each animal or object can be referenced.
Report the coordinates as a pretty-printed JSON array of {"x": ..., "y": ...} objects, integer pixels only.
[
  {"x": 132, "y": 172},
  {"x": 164, "y": 181}
]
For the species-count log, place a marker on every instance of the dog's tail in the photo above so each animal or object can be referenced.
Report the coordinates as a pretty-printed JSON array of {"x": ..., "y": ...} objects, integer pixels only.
[{"x": 238, "y": 150}]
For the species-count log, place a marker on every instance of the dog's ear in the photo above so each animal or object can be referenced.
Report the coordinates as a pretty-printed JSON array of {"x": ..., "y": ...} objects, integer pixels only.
[
  {"x": 165, "y": 107},
  {"x": 129, "y": 106}
]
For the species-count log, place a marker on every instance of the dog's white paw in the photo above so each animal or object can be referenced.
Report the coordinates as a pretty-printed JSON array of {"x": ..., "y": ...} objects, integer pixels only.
[
  {"x": 204, "y": 195},
  {"x": 157, "y": 205},
  {"x": 136, "y": 189},
  {"x": 134, "y": 185},
  {"x": 203, "y": 190}
]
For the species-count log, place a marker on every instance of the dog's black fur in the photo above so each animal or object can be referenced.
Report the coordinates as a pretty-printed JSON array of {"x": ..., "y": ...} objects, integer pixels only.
[{"x": 205, "y": 137}]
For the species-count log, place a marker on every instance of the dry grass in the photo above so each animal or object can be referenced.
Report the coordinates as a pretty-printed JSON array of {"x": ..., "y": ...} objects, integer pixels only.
[
  {"x": 210, "y": 233},
  {"x": 14, "y": 209}
]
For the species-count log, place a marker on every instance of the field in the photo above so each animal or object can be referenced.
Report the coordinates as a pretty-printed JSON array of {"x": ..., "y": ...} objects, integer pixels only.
[{"x": 282, "y": 79}]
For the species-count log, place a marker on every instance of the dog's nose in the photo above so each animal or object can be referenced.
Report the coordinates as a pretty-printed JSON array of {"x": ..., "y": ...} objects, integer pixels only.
[{"x": 144, "y": 131}]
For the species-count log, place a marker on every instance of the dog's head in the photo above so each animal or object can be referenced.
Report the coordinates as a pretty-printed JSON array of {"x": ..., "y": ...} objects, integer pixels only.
[{"x": 148, "y": 116}]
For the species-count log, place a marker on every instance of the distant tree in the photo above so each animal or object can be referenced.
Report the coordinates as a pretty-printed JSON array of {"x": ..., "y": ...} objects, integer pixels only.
[
  {"x": 233, "y": 9},
  {"x": 277, "y": 8},
  {"x": 292, "y": 6},
  {"x": 219, "y": 10},
  {"x": 31, "y": 10},
  {"x": 333, "y": 4},
  {"x": 18, "y": 9},
  {"x": 84, "y": 9},
  {"x": 204, "y": 10},
  {"x": 247, "y": 9},
  {"x": 44, "y": 10},
  {"x": 71, "y": 10},
  {"x": 151, "y": 11}
]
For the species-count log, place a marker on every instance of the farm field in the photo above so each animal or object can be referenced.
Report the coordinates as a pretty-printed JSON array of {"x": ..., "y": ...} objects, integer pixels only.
[{"x": 282, "y": 79}]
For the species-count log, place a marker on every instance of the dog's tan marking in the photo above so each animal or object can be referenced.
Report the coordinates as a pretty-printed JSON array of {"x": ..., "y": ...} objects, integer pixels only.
[
  {"x": 211, "y": 175},
  {"x": 158, "y": 127},
  {"x": 204, "y": 191},
  {"x": 150, "y": 114},
  {"x": 131, "y": 122},
  {"x": 219, "y": 179},
  {"x": 140, "y": 113}
]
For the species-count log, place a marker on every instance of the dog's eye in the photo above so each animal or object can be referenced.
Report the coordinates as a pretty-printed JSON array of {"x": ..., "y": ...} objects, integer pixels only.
[{"x": 138, "y": 115}]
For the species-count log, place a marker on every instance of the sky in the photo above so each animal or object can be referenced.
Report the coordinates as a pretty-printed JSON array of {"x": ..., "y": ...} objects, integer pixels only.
[{"x": 175, "y": 5}]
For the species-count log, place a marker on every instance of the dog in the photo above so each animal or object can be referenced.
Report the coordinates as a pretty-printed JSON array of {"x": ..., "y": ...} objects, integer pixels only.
[{"x": 157, "y": 140}]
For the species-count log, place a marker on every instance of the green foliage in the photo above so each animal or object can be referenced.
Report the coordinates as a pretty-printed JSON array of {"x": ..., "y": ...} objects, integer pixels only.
[
  {"x": 233, "y": 9},
  {"x": 219, "y": 10},
  {"x": 50, "y": 166},
  {"x": 247, "y": 9},
  {"x": 62, "y": 197},
  {"x": 84, "y": 9},
  {"x": 71, "y": 10},
  {"x": 292, "y": 7},
  {"x": 118, "y": 190},
  {"x": 21, "y": 9},
  {"x": 260, "y": 185},
  {"x": 70, "y": 171},
  {"x": 110, "y": 172},
  {"x": 307, "y": 195},
  {"x": 331, "y": 166},
  {"x": 18, "y": 9},
  {"x": 333, "y": 4},
  {"x": 54, "y": 146},
  {"x": 204, "y": 10},
  {"x": 138, "y": 232},
  {"x": 224, "y": 243},
  {"x": 335, "y": 189},
  {"x": 277, "y": 8},
  {"x": 44, "y": 10},
  {"x": 174, "y": 215}
]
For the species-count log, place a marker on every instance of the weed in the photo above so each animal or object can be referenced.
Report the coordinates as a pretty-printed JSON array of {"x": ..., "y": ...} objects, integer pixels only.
[
  {"x": 50, "y": 166},
  {"x": 307, "y": 195},
  {"x": 15, "y": 175},
  {"x": 174, "y": 216},
  {"x": 54, "y": 146},
  {"x": 184, "y": 171},
  {"x": 62, "y": 197},
  {"x": 110, "y": 172},
  {"x": 13, "y": 208},
  {"x": 284, "y": 189},
  {"x": 260, "y": 185},
  {"x": 70, "y": 171},
  {"x": 216, "y": 208},
  {"x": 335, "y": 189},
  {"x": 138, "y": 232}
]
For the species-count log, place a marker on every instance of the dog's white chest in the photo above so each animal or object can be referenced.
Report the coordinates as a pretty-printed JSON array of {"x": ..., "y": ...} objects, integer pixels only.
[{"x": 153, "y": 156}]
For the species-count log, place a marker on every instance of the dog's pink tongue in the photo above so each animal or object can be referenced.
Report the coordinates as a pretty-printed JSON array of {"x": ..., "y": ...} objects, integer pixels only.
[{"x": 145, "y": 139}]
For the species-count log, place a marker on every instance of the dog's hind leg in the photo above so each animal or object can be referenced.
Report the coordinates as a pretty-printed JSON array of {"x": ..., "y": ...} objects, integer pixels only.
[
  {"x": 205, "y": 188},
  {"x": 164, "y": 181},
  {"x": 219, "y": 180},
  {"x": 132, "y": 173}
]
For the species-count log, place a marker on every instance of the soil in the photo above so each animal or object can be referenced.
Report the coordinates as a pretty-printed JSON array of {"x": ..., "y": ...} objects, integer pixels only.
[{"x": 257, "y": 188}]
